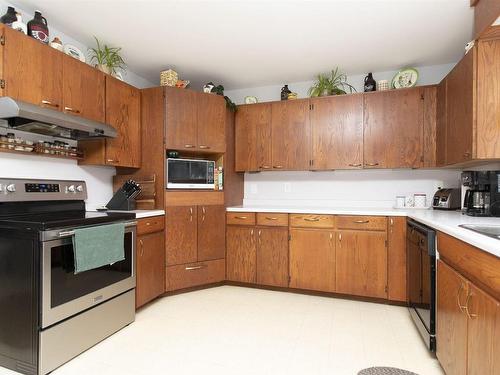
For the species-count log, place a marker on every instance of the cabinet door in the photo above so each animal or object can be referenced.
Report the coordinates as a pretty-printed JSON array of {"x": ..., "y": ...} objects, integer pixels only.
[
  {"x": 211, "y": 232},
  {"x": 451, "y": 323},
  {"x": 396, "y": 259},
  {"x": 460, "y": 110},
  {"x": 180, "y": 119},
  {"x": 361, "y": 263},
  {"x": 312, "y": 259},
  {"x": 241, "y": 254},
  {"x": 482, "y": 311},
  {"x": 441, "y": 124},
  {"x": 32, "y": 70},
  {"x": 211, "y": 126},
  {"x": 181, "y": 235},
  {"x": 337, "y": 132},
  {"x": 83, "y": 90},
  {"x": 150, "y": 267},
  {"x": 272, "y": 256},
  {"x": 123, "y": 113},
  {"x": 291, "y": 141},
  {"x": 393, "y": 129},
  {"x": 253, "y": 137}
]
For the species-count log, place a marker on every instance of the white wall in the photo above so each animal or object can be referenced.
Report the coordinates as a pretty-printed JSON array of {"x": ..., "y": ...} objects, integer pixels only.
[
  {"x": 363, "y": 188},
  {"x": 99, "y": 179},
  {"x": 427, "y": 75}
]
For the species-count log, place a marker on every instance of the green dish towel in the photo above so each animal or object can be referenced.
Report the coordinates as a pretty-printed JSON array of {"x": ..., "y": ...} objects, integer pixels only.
[{"x": 98, "y": 246}]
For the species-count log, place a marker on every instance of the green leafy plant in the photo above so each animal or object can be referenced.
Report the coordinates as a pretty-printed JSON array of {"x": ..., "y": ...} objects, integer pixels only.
[
  {"x": 109, "y": 57},
  {"x": 335, "y": 84}
]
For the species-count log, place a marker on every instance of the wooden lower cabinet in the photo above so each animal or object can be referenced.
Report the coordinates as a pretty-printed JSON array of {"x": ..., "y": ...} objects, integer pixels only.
[
  {"x": 312, "y": 259},
  {"x": 195, "y": 274},
  {"x": 211, "y": 232},
  {"x": 396, "y": 259},
  {"x": 272, "y": 256},
  {"x": 241, "y": 254},
  {"x": 361, "y": 263},
  {"x": 451, "y": 322},
  {"x": 181, "y": 235},
  {"x": 150, "y": 260}
]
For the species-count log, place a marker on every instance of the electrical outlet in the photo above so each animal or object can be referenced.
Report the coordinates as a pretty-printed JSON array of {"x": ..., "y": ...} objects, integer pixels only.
[{"x": 288, "y": 187}]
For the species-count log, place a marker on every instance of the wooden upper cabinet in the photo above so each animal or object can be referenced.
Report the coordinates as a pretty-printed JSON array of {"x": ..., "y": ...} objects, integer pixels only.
[
  {"x": 211, "y": 115},
  {"x": 272, "y": 256},
  {"x": 253, "y": 137},
  {"x": 361, "y": 263},
  {"x": 451, "y": 321},
  {"x": 312, "y": 259},
  {"x": 181, "y": 119},
  {"x": 211, "y": 232},
  {"x": 460, "y": 109},
  {"x": 123, "y": 111},
  {"x": 83, "y": 90},
  {"x": 393, "y": 129},
  {"x": 150, "y": 267},
  {"x": 337, "y": 132},
  {"x": 482, "y": 312},
  {"x": 181, "y": 234},
  {"x": 241, "y": 254},
  {"x": 290, "y": 135},
  {"x": 441, "y": 124},
  {"x": 32, "y": 71}
]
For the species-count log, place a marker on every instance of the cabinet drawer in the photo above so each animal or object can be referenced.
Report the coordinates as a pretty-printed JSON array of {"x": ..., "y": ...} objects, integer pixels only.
[
  {"x": 362, "y": 222},
  {"x": 312, "y": 221},
  {"x": 150, "y": 225},
  {"x": 194, "y": 274},
  {"x": 241, "y": 218},
  {"x": 272, "y": 220}
]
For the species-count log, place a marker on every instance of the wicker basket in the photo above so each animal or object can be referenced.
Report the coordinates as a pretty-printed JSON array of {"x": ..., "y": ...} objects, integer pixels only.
[{"x": 168, "y": 78}]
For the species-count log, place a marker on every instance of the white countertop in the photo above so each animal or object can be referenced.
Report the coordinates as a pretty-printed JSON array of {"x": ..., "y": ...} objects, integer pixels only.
[
  {"x": 140, "y": 214},
  {"x": 445, "y": 221}
]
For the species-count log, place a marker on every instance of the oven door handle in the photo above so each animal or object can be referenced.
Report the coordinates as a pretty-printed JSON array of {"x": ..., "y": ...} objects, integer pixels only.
[{"x": 69, "y": 233}]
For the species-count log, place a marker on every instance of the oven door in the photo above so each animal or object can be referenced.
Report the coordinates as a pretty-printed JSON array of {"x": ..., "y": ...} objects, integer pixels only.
[{"x": 65, "y": 294}]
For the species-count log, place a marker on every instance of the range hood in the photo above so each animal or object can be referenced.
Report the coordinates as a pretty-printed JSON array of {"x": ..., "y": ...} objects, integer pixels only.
[{"x": 34, "y": 119}]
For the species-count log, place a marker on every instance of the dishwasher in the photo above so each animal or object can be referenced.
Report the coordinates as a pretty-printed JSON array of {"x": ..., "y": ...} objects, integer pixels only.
[{"x": 421, "y": 279}]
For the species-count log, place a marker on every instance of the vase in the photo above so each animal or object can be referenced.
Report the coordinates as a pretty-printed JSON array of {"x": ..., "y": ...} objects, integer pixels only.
[
  {"x": 38, "y": 29},
  {"x": 104, "y": 68}
]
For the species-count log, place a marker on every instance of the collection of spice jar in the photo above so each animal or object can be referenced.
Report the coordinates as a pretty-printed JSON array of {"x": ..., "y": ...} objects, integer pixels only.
[
  {"x": 11, "y": 142},
  {"x": 57, "y": 148}
]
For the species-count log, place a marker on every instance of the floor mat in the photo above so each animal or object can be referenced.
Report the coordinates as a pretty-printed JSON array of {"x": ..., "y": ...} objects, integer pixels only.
[{"x": 385, "y": 371}]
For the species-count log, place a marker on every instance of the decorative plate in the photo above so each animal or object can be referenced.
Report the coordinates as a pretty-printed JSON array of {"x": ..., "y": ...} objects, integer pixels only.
[
  {"x": 405, "y": 78},
  {"x": 250, "y": 100},
  {"x": 74, "y": 52}
]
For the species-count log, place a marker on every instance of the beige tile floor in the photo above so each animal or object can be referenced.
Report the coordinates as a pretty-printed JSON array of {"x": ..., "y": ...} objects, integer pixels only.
[{"x": 233, "y": 330}]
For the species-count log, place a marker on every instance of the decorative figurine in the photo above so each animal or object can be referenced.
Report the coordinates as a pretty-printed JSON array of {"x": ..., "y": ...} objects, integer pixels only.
[
  {"x": 370, "y": 84},
  {"x": 208, "y": 87},
  {"x": 284, "y": 92},
  {"x": 56, "y": 44}
]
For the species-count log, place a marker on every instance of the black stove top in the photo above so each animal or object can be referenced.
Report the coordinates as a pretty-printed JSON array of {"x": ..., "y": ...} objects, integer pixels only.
[{"x": 51, "y": 220}]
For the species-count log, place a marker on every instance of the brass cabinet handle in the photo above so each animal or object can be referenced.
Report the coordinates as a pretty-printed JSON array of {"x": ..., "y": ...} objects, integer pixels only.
[
  {"x": 467, "y": 310},
  {"x": 204, "y": 147},
  {"x": 265, "y": 167},
  {"x": 69, "y": 109},
  {"x": 371, "y": 164},
  {"x": 311, "y": 219},
  {"x": 142, "y": 247},
  {"x": 361, "y": 221},
  {"x": 462, "y": 308},
  {"x": 188, "y": 146},
  {"x": 112, "y": 161},
  {"x": 277, "y": 166},
  {"x": 271, "y": 218},
  {"x": 355, "y": 165},
  {"x": 193, "y": 268},
  {"x": 204, "y": 212},
  {"x": 467, "y": 154},
  {"x": 241, "y": 217},
  {"x": 49, "y": 103}
]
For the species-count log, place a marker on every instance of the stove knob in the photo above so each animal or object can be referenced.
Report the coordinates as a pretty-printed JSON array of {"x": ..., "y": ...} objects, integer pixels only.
[
  {"x": 11, "y": 188},
  {"x": 79, "y": 188},
  {"x": 71, "y": 188}
]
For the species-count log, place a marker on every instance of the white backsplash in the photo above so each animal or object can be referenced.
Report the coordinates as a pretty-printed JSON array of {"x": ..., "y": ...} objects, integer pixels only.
[{"x": 364, "y": 188}]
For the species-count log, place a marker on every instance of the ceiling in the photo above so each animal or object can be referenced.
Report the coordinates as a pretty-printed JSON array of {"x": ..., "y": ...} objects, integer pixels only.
[{"x": 255, "y": 43}]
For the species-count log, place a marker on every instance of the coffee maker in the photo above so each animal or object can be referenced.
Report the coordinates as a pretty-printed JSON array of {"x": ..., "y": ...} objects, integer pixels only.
[{"x": 482, "y": 195}]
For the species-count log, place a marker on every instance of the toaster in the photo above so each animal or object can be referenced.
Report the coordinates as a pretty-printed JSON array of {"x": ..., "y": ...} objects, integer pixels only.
[{"x": 447, "y": 199}]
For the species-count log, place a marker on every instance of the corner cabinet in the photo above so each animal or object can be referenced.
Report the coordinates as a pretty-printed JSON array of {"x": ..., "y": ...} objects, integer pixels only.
[
  {"x": 195, "y": 121},
  {"x": 123, "y": 112}
]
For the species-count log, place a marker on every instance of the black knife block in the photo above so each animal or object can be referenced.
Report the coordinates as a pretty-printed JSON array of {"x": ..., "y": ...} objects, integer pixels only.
[{"x": 121, "y": 201}]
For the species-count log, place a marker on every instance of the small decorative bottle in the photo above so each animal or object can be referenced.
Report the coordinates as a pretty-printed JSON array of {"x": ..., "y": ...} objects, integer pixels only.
[
  {"x": 284, "y": 92},
  {"x": 10, "y": 17},
  {"x": 38, "y": 29},
  {"x": 370, "y": 84}
]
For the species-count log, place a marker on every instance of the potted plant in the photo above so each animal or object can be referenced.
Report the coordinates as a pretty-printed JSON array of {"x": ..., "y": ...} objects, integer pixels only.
[
  {"x": 107, "y": 59},
  {"x": 335, "y": 84}
]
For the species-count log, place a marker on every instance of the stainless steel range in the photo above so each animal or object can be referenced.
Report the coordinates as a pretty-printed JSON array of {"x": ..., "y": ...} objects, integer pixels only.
[{"x": 49, "y": 313}]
